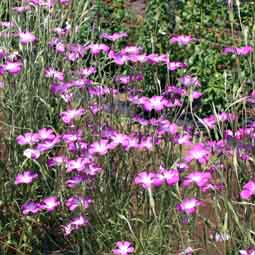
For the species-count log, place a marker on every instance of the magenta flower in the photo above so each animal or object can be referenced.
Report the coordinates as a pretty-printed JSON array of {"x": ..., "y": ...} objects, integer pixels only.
[
  {"x": 27, "y": 138},
  {"x": 50, "y": 203},
  {"x": 242, "y": 51},
  {"x": 199, "y": 178},
  {"x": 87, "y": 71},
  {"x": 48, "y": 144},
  {"x": 95, "y": 49},
  {"x": 189, "y": 205},
  {"x": 250, "y": 251},
  {"x": 131, "y": 142},
  {"x": 78, "y": 164},
  {"x": 101, "y": 147},
  {"x": 114, "y": 37},
  {"x": 26, "y": 177},
  {"x": 56, "y": 161},
  {"x": 145, "y": 179},
  {"x": 12, "y": 68},
  {"x": 46, "y": 134},
  {"x": 157, "y": 103},
  {"x": 64, "y": 2},
  {"x": 31, "y": 153},
  {"x": 22, "y": 9},
  {"x": 187, "y": 251},
  {"x": 69, "y": 115},
  {"x": 188, "y": 81},
  {"x": 75, "y": 224},
  {"x": 171, "y": 177},
  {"x": 248, "y": 190},
  {"x": 52, "y": 73},
  {"x": 73, "y": 202},
  {"x": 123, "y": 248},
  {"x": 74, "y": 181},
  {"x": 156, "y": 58},
  {"x": 172, "y": 66},
  {"x": 181, "y": 39},
  {"x": 118, "y": 58},
  {"x": 30, "y": 207},
  {"x": 198, "y": 152},
  {"x": 26, "y": 37},
  {"x": 131, "y": 50}
]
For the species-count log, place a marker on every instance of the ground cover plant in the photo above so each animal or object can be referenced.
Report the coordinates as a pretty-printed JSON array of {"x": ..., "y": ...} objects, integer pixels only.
[{"x": 115, "y": 141}]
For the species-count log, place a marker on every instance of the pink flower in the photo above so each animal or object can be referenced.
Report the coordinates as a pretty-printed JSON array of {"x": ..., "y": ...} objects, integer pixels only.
[
  {"x": 64, "y": 2},
  {"x": 123, "y": 248},
  {"x": 69, "y": 115},
  {"x": 189, "y": 205},
  {"x": 30, "y": 207},
  {"x": 95, "y": 49},
  {"x": 198, "y": 152},
  {"x": 52, "y": 73},
  {"x": 22, "y": 9},
  {"x": 31, "y": 153},
  {"x": 12, "y": 68},
  {"x": 78, "y": 164},
  {"x": 200, "y": 178},
  {"x": 75, "y": 224},
  {"x": 48, "y": 144},
  {"x": 28, "y": 138},
  {"x": 114, "y": 37},
  {"x": 242, "y": 51},
  {"x": 74, "y": 181},
  {"x": 46, "y": 134},
  {"x": 181, "y": 39},
  {"x": 188, "y": 81},
  {"x": 26, "y": 177},
  {"x": 57, "y": 161},
  {"x": 26, "y": 37},
  {"x": 145, "y": 179},
  {"x": 172, "y": 66},
  {"x": 73, "y": 202},
  {"x": 87, "y": 71},
  {"x": 250, "y": 251},
  {"x": 157, "y": 103},
  {"x": 101, "y": 147},
  {"x": 248, "y": 190},
  {"x": 187, "y": 251},
  {"x": 50, "y": 203}
]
